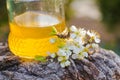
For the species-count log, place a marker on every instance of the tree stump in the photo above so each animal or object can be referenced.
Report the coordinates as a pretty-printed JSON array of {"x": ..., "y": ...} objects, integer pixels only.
[{"x": 103, "y": 65}]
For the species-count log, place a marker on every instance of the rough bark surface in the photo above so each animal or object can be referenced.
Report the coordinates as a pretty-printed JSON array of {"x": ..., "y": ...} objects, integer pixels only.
[{"x": 103, "y": 65}]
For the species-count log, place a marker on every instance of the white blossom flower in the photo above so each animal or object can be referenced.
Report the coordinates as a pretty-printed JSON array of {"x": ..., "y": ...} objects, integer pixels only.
[
  {"x": 80, "y": 57},
  {"x": 95, "y": 45},
  {"x": 79, "y": 41},
  {"x": 75, "y": 56},
  {"x": 94, "y": 36},
  {"x": 53, "y": 55},
  {"x": 71, "y": 47},
  {"x": 74, "y": 32},
  {"x": 67, "y": 50},
  {"x": 69, "y": 42},
  {"x": 61, "y": 52},
  {"x": 75, "y": 49},
  {"x": 66, "y": 57},
  {"x": 73, "y": 29},
  {"x": 77, "y": 35},
  {"x": 60, "y": 58},
  {"x": 73, "y": 35},
  {"x": 88, "y": 46},
  {"x": 77, "y": 46},
  {"x": 97, "y": 40},
  {"x": 85, "y": 54},
  {"x": 64, "y": 53},
  {"x": 67, "y": 63},
  {"x": 82, "y": 32},
  {"x": 62, "y": 64}
]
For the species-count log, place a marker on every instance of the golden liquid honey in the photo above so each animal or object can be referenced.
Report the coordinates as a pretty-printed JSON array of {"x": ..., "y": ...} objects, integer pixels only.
[{"x": 30, "y": 34}]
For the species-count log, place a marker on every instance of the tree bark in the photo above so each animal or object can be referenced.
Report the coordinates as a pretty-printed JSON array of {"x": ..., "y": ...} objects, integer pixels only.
[{"x": 103, "y": 65}]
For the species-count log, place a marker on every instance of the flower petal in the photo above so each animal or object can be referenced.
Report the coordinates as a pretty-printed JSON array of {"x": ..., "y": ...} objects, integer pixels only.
[
  {"x": 68, "y": 52},
  {"x": 67, "y": 63},
  {"x": 74, "y": 56},
  {"x": 82, "y": 32},
  {"x": 80, "y": 57},
  {"x": 89, "y": 33},
  {"x": 95, "y": 45},
  {"x": 61, "y": 52},
  {"x": 62, "y": 64},
  {"x": 60, "y": 59},
  {"x": 97, "y": 40},
  {"x": 76, "y": 50},
  {"x": 53, "y": 55},
  {"x": 85, "y": 54},
  {"x": 73, "y": 29},
  {"x": 78, "y": 39},
  {"x": 72, "y": 35}
]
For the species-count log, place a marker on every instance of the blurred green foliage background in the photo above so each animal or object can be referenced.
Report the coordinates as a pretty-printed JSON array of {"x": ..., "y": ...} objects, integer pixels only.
[
  {"x": 110, "y": 14},
  {"x": 110, "y": 10},
  {"x": 3, "y": 12},
  {"x": 3, "y": 21}
]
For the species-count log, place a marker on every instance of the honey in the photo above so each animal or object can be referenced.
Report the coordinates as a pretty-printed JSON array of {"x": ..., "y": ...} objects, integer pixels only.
[{"x": 30, "y": 34}]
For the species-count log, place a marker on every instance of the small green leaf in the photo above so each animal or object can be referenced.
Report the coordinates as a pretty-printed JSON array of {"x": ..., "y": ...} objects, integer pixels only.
[
  {"x": 41, "y": 58},
  {"x": 54, "y": 31},
  {"x": 61, "y": 45}
]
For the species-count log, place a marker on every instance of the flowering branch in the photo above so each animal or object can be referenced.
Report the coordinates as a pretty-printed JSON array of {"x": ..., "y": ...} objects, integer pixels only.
[{"x": 80, "y": 44}]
